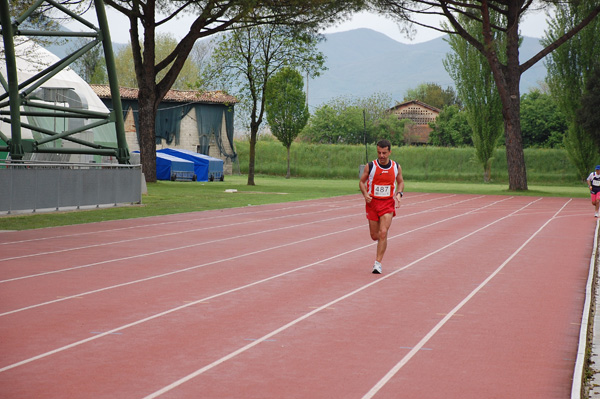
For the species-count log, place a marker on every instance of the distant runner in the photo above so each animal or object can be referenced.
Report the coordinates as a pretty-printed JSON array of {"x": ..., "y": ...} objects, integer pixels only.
[
  {"x": 594, "y": 185},
  {"x": 382, "y": 185}
]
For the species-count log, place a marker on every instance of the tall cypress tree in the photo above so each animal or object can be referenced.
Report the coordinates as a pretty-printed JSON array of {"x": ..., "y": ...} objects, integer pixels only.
[
  {"x": 475, "y": 85},
  {"x": 569, "y": 68}
]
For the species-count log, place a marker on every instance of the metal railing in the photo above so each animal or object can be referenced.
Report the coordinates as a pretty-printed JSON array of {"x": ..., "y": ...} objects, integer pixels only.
[{"x": 47, "y": 186}]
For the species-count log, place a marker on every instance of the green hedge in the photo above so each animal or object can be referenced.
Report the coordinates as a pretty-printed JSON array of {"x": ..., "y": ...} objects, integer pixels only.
[{"x": 544, "y": 166}]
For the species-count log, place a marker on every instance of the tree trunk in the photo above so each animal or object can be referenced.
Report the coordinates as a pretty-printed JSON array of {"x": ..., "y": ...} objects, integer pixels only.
[
  {"x": 507, "y": 78},
  {"x": 487, "y": 171},
  {"x": 515, "y": 158},
  {"x": 147, "y": 136},
  {"x": 511, "y": 111},
  {"x": 288, "y": 164},
  {"x": 252, "y": 153}
]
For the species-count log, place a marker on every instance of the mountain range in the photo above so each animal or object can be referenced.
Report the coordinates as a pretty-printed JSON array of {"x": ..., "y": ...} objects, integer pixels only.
[{"x": 362, "y": 62}]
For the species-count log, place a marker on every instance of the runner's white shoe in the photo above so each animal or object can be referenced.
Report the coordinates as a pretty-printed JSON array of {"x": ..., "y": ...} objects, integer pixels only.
[
  {"x": 377, "y": 268},
  {"x": 596, "y": 214}
]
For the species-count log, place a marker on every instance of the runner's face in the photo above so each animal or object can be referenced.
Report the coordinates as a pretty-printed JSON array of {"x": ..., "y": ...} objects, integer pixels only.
[{"x": 383, "y": 155}]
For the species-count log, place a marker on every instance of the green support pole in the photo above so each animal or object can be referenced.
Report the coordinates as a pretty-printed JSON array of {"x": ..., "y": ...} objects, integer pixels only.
[
  {"x": 15, "y": 146},
  {"x": 122, "y": 149}
]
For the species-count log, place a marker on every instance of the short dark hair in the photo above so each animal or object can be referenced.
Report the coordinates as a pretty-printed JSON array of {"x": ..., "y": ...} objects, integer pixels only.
[{"x": 384, "y": 143}]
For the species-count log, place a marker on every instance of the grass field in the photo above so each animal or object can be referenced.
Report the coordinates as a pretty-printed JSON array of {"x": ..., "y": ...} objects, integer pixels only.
[
  {"x": 419, "y": 163},
  {"x": 165, "y": 197}
]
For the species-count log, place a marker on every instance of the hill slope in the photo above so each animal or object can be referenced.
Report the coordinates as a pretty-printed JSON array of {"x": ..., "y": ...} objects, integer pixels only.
[{"x": 362, "y": 62}]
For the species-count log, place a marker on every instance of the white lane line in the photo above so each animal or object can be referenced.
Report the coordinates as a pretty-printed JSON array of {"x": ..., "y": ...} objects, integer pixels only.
[
  {"x": 444, "y": 320},
  {"x": 170, "y": 234},
  {"x": 74, "y": 344},
  {"x": 143, "y": 226},
  {"x": 163, "y": 235},
  {"x": 204, "y": 243},
  {"x": 582, "y": 346},
  {"x": 177, "y": 271},
  {"x": 319, "y": 309},
  {"x": 78, "y": 296}
]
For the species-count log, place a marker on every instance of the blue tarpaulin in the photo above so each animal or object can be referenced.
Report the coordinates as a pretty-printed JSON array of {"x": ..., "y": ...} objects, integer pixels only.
[
  {"x": 169, "y": 167},
  {"x": 214, "y": 166}
]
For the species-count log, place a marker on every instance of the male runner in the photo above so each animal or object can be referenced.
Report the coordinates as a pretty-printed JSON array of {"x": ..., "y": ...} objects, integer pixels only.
[
  {"x": 381, "y": 184},
  {"x": 593, "y": 181}
]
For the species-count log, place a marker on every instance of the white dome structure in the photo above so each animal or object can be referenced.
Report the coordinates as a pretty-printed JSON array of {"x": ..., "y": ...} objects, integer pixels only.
[{"x": 66, "y": 88}]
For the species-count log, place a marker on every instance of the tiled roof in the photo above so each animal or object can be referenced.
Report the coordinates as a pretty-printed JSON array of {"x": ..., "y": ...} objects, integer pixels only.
[
  {"x": 181, "y": 96},
  {"x": 422, "y": 104}
]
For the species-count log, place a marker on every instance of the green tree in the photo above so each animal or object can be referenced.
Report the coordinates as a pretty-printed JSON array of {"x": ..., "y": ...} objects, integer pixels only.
[
  {"x": 92, "y": 65},
  {"x": 432, "y": 94},
  {"x": 569, "y": 68},
  {"x": 247, "y": 58},
  {"x": 342, "y": 120},
  {"x": 451, "y": 128},
  {"x": 287, "y": 111},
  {"x": 542, "y": 122},
  {"x": 389, "y": 127},
  {"x": 212, "y": 17},
  {"x": 331, "y": 125},
  {"x": 474, "y": 81},
  {"x": 503, "y": 56},
  {"x": 588, "y": 116},
  {"x": 326, "y": 125},
  {"x": 164, "y": 45}
]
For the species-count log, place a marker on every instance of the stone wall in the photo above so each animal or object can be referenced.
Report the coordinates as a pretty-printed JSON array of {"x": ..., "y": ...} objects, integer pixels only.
[{"x": 188, "y": 139}]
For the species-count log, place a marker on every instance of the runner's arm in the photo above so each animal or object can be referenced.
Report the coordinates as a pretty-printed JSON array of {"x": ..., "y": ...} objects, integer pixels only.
[
  {"x": 399, "y": 185},
  {"x": 362, "y": 183}
]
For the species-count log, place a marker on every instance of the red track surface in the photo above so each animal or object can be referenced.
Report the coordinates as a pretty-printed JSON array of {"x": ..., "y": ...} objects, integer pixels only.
[{"x": 481, "y": 297}]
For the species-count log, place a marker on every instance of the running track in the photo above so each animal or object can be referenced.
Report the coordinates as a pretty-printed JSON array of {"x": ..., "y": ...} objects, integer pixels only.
[{"x": 481, "y": 297}]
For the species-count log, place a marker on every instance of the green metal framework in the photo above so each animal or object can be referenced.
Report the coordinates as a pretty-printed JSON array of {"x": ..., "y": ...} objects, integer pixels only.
[{"x": 18, "y": 94}]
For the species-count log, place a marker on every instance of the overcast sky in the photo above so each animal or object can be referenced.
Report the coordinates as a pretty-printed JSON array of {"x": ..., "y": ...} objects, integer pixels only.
[{"x": 533, "y": 26}]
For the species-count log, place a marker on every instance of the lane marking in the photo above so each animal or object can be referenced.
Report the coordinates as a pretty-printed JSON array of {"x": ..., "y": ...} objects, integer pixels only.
[
  {"x": 202, "y": 243},
  {"x": 143, "y": 226},
  {"x": 307, "y": 315},
  {"x": 169, "y": 234},
  {"x": 100, "y": 332},
  {"x": 585, "y": 320},
  {"x": 394, "y": 370},
  {"x": 412, "y": 347},
  {"x": 171, "y": 249},
  {"x": 254, "y": 211},
  {"x": 177, "y": 271},
  {"x": 161, "y": 235},
  {"x": 304, "y": 317},
  {"x": 172, "y": 310}
]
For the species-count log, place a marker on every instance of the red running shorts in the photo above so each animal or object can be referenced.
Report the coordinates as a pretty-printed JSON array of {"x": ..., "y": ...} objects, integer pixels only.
[{"x": 379, "y": 207}]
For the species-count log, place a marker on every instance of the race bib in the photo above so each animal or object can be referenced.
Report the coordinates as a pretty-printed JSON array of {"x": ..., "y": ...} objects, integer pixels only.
[
  {"x": 382, "y": 191},
  {"x": 595, "y": 182}
]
